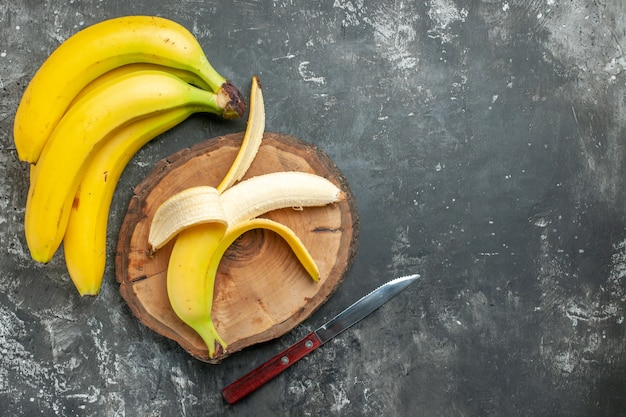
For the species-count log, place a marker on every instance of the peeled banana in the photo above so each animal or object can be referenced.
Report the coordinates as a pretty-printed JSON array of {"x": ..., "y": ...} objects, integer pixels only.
[
  {"x": 98, "y": 49},
  {"x": 205, "y": 221},
  {"x": 199, "y": 247},
  {"x": 87, "y": 126}
]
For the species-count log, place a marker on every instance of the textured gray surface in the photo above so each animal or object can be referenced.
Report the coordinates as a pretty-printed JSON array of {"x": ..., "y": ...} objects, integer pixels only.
[{"x": 484, "y": 141}]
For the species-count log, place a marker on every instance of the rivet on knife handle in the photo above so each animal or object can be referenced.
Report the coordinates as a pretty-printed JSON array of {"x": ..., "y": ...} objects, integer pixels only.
[
  {"x": 351, "y": 315},
  {"x": 268, "y": 370}
]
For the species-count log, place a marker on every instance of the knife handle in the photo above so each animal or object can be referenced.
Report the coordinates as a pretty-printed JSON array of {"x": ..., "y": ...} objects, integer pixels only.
[{"x": 268, "y": 370}]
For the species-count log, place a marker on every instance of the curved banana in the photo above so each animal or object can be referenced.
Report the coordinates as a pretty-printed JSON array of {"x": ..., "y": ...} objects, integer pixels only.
[
  {"x": 84, "y": 242},
  {"x": 207, "y": 220},
  {"x": 86, "y": 127},
  {"x": 193, "y": 265},
  {"x": 113, "y": 75},
  {"x": 100, "y": 48},
  {"x": 200, "y": 243},
  {"x": 174, "y": 214}
]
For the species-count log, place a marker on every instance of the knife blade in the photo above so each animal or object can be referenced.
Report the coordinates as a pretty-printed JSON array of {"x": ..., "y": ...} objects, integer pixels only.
[{"x": 350, "y": 316}]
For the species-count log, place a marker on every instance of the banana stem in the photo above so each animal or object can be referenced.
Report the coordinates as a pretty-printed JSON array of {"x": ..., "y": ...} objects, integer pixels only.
[
  {"x": 231, "y": 99},
  {"x": 213, "y": 78}
]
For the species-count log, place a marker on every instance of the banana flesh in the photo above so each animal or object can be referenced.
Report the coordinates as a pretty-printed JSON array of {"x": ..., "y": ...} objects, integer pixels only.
[
  {"x": 98, "y": 49},
  {"x": 244, "y": 201},
  {"x": 85, "y": 128},
  {"x": 190, "y": 207},
  {"x": 258, "y": 195}
]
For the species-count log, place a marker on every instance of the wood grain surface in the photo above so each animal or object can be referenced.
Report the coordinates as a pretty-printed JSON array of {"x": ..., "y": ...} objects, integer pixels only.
[{"x": 261, "y": 291}]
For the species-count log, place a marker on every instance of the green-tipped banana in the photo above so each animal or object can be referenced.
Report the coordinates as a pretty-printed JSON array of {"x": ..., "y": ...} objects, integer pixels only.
[
  {"x": 116, "y": 73},
  {"x": 84, "y": 129},
  {"x": 98, "y": 49},
  {"x": 84, "y": 242}
]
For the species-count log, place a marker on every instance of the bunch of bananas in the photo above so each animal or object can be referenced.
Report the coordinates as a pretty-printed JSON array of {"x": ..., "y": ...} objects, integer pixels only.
[{"x": 98, "y": 98}]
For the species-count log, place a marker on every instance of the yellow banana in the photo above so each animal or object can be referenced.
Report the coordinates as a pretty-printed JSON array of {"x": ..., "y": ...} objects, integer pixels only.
[
  {"x": 188, "y": 288},
  {"x": 205, "y": 221},
  {"x": 172, "y": 216},
  {"x": 85, "y": 237},
  {"x": 84, "y": 242},
  {"x": 201, "y": 242},
  {"x": 111, "y": 76},
  {"x": 193, "y": 265},
  {"x": 98, "y": 49},
  {"x": 80, "y": 133}
]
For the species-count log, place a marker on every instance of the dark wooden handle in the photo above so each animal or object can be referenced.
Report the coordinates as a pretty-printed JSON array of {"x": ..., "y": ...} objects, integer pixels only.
[{"x": 268, "y": 370}]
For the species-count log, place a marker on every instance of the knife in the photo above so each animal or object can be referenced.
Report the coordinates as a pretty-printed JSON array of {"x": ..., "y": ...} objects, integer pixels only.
[{"x": 351, "y": 315}]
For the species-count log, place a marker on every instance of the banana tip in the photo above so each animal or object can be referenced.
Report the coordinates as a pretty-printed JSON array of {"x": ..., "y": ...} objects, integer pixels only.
[
  {"x": 89, "y": 293},
  {"x": 41, "y": 257}
]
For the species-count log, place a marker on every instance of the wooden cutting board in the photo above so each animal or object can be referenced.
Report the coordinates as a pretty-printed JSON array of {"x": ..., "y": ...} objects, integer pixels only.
[{"x": 261, "y": 291}]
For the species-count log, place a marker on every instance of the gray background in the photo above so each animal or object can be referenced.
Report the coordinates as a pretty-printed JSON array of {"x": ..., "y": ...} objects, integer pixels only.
[{"x": 484, "y": 141}]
